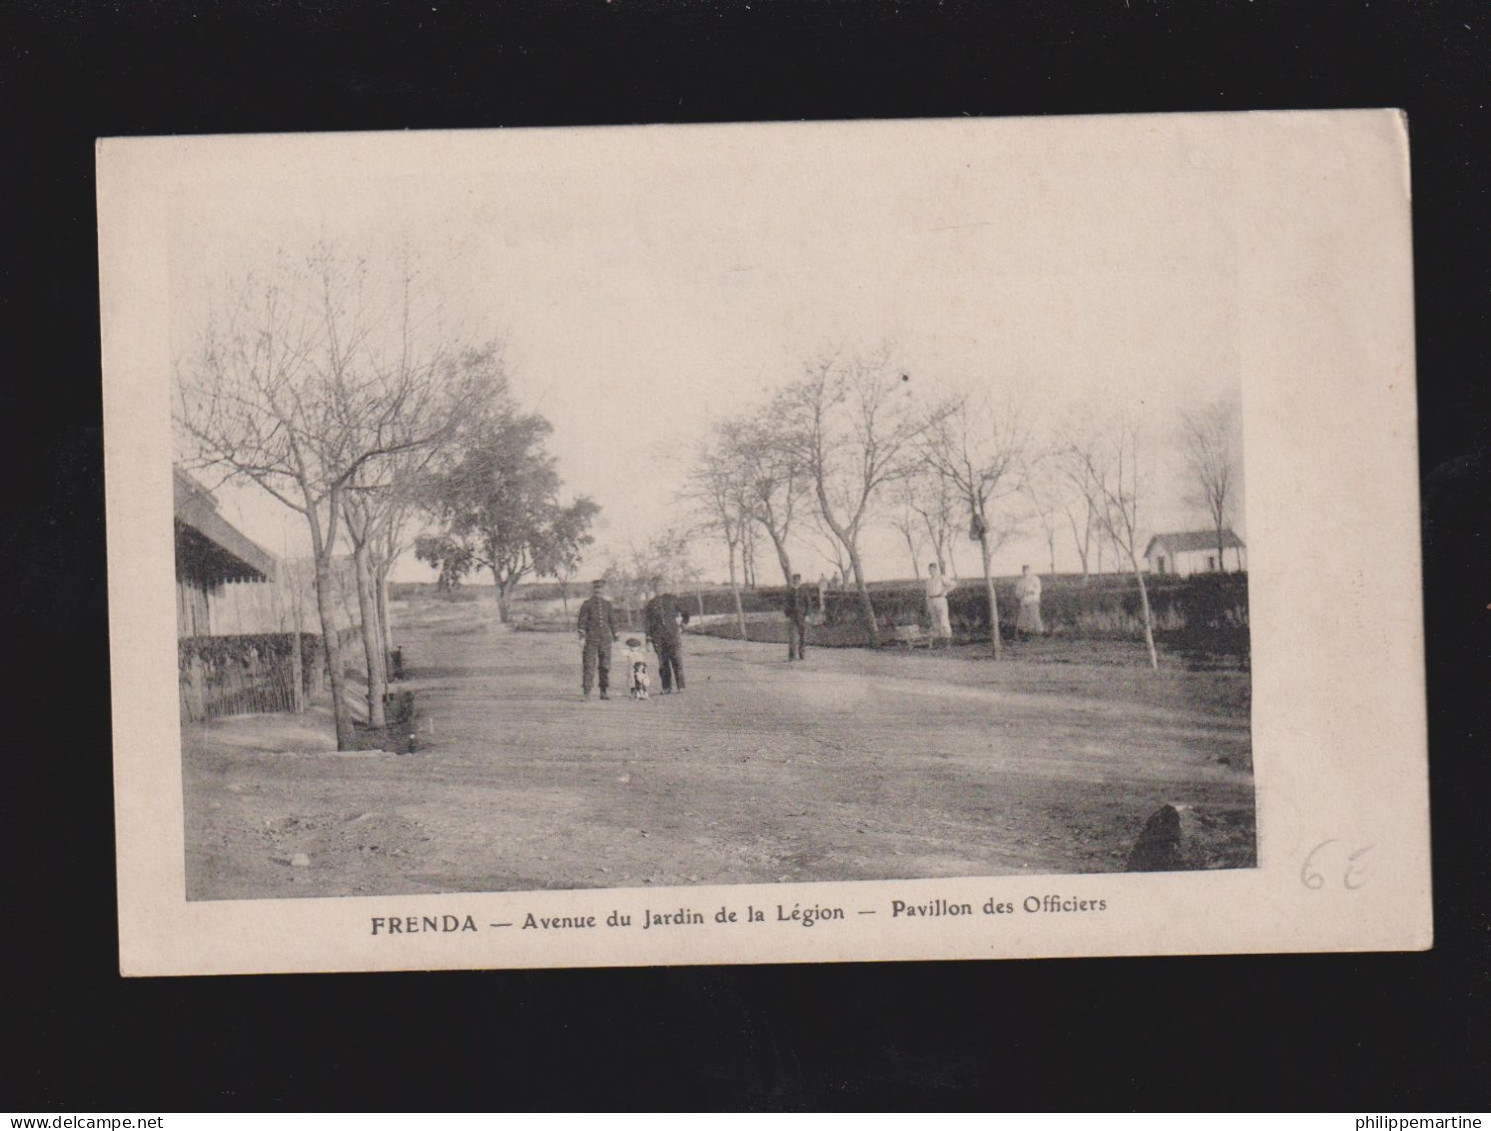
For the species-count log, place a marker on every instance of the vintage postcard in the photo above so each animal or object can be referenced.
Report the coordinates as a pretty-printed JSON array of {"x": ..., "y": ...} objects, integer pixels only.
[{"x": 764, "y": 543}]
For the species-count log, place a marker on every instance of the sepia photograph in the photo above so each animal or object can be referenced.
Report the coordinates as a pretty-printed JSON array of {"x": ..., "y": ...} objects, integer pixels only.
[
  {"x": 655, "y": 529},
  {"x": 669, "y": 508}
]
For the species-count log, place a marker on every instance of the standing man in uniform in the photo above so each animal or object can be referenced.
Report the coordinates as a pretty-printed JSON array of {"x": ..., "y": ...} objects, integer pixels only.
[
  {"x": 797, "y": 608},
  {"x": 937, "y": 611},
  {"x": 597, "y": 628},
  {"x": 662, "y": 616}
]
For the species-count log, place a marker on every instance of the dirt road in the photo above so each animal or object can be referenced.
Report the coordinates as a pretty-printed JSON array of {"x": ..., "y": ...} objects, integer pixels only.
[{"x": 852, "y": 765}]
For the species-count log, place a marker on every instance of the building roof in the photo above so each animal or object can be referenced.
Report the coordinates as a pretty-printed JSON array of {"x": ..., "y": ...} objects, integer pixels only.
[
  {"x": 209, "y": 549},
  {"x": 1192, "y": 540}
]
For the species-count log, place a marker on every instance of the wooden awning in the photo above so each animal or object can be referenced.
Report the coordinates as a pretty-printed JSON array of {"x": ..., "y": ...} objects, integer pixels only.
[{"x": 209, "y": 549}]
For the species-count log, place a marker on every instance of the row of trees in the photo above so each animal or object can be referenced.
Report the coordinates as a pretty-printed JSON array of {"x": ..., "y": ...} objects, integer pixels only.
[
  {"x": 337, "y": 389},
  {"x": 855, "y": 442}
]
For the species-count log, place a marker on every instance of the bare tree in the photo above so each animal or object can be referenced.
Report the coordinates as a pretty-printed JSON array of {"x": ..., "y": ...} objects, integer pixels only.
[
  {"x": 909, "y": 522},
  {"x": 851, "y": 427},
  {"x": 376, "y": 504},
  {"x": 661, "y": 563},
  {"x": 1043, "y": 490},
  {"x": 306, "y": 383},
  {"x": 748, "y": 546},
  {"x": 716, "y": 488},
  {"x": 1081, "y": 512},
  {"x": 1211, "y": 447},
  {"x": 827, "y": 547},
  {"x": 1108, "y": 457},
  {"x": 981, "y": 449},
  {"x": 772, "y": 485},
  {"x": 361, "y": 515},
  {"x": 1079, "y": 494},
  {"x": 934, "y": 498}
]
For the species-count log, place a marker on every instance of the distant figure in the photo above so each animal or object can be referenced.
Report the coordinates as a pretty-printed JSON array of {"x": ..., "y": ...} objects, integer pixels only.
[
  {"x": 797, "y": 608},
  {"x": 597, "y": 628},
  {"x": 822, "y": 596},
  {"x": 937, "y": 612},
  {"x": 662, "y": 617},
  {"x": 1028, "y": 590}
]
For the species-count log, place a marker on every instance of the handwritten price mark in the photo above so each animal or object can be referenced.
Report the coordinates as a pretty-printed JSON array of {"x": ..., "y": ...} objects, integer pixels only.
[
  {"x": 1354, "y": 870},
  {"x": 1353, "y": 874}
]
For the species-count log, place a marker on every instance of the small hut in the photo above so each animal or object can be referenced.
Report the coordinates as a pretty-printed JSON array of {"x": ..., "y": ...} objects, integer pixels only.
[{"x": 1196, "y": 551}]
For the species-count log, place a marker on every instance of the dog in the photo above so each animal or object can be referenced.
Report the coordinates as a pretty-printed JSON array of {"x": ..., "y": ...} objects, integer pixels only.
[{"x": 641, "y": 681}]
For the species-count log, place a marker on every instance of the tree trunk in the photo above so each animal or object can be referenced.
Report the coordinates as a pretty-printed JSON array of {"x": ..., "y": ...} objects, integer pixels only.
[
  {"x": 735, "y": 593},
  {"x": 1154, "y": 659},
  {"x": 372, "y": 637},
  {"x": 297, "y": 604},
  {"x": 782, "y": 559},
  {"x": 333, "y": 648},
  {"x": 383, "y": 621},
  {"x": 739, "y": 612},
  {"x": 987, "y": 554},
  {"x": 1221, "y": 552},
  {"x": 501, "y": 596},
  {"x": 866, "y": 604}
]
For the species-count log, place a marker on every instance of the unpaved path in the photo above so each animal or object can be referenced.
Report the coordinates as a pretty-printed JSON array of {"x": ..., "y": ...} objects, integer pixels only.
[{"x": 851, "y": 765}]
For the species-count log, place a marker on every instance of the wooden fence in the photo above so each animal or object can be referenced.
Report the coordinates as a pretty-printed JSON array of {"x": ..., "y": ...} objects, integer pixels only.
[{"x": 257, "y": 673}]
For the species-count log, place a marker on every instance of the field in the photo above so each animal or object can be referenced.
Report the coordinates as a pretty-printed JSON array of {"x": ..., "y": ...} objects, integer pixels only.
[{"x": 852, "y": 765}]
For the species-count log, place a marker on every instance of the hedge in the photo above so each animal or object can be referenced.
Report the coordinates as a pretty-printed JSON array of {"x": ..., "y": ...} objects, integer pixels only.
[
  {"x": 253, "y": 672},
  {"x": 1205, "y": 612},
  {"x": 226, "y": 675}
]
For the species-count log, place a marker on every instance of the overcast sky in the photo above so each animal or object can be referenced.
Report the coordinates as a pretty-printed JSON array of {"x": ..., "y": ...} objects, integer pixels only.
[{"x": 649, "y": 280}]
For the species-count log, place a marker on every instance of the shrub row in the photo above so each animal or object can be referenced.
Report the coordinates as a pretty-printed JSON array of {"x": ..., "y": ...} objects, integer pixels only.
[
  {"x": 1205, "y": 612},
  {"x": 224, "y": 675},
  {"x": 258, "y": 653},
  {"x": 265, "y": 658}
]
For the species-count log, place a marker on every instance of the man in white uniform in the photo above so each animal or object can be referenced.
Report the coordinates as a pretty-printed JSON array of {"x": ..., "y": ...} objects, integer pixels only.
[
  {"x": 1028, "y": 589},
  {"x": 937, "y": 591}
]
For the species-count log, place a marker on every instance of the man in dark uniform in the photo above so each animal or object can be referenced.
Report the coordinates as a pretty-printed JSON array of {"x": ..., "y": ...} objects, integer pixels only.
[
  {"x": 797, "y": 609},
  {"x": 662, "y": 615},
  {"x": 597, "y": 628}
]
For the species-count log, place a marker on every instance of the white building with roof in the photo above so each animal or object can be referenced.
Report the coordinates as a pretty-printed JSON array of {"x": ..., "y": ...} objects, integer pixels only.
[{"x": 1196, "y": 551}]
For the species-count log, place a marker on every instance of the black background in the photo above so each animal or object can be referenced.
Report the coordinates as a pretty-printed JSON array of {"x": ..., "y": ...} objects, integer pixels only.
[{"x": 1333, "y": 1031}]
